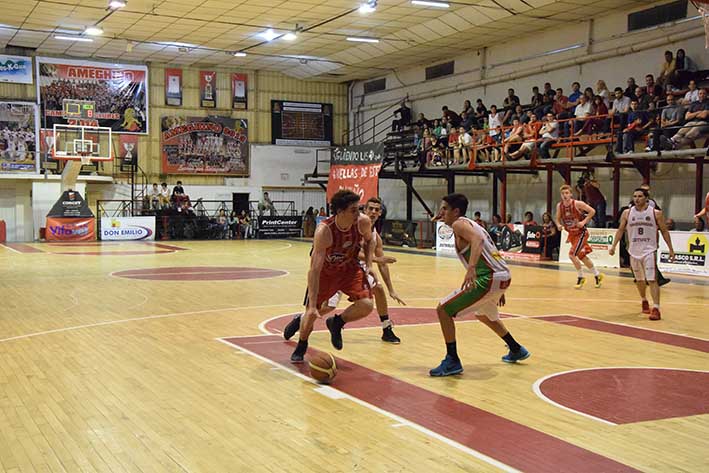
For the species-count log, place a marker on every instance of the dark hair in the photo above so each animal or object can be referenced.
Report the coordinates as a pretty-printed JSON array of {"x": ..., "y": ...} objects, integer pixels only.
[
  {"x": 309, "y": 211},
  {"x": 529, "y": 213},
  {"x": 618, "y": 89},
  {"x": 342, "y": 199},
  {"x": 477, "y": 214},
  {"x": 644, "y": 191},
  {"x": 457, "y": 201},
  {"x": 375, "y": 200},
  {"x": 164, "y": 184},
  {"x": 576, "y": 83},
  {"x": 155, "y": 183},
  {"x": 445, "y": 107},
  {"x": 650, "y": 76},
  {"x": 179, "y": 183}
]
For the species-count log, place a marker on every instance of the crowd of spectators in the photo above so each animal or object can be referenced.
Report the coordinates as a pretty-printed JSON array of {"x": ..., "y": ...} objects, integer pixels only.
[{"x": 671, "y": 109}]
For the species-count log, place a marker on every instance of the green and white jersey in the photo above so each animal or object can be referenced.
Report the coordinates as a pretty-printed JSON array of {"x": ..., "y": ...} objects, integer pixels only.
[{"x": 490, "y": 261}]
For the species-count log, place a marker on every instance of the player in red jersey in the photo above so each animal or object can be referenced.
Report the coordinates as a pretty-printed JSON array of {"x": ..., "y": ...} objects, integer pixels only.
[
  {"x": 569, "y": 214},
  {"x": 334, "y": 266},
  {"x": 705, "y": 211}
]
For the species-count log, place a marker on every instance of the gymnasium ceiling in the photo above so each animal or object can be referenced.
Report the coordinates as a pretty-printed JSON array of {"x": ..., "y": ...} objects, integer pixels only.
[{"x": 204, "y": 32}]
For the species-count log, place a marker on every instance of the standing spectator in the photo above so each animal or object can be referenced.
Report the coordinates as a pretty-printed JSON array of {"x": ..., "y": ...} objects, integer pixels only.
[
  {"x": 552, "y": 238},
  {"x": 405, "y": 112},
  {"x": 630, "y": 89},
  {"x": 309, "y": 223},
  {"x": 550, "y": 135},
  {"x": 672, "y": 116},
  {"x": 692, "y": 94},
  {"x": 266, "y": 204},
  {"x": 667, "y": 70},
  {"x": 596, "y": 199},
  {"x": 452, "y": 117},
  {"x": 478, "y": 219},
  {"x": 696, "y": 122},
  {"x": 684, "y": 69}
]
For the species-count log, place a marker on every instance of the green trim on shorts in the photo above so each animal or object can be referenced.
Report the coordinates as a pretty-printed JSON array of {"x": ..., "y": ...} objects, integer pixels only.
[{"x": 465, "y": 299}]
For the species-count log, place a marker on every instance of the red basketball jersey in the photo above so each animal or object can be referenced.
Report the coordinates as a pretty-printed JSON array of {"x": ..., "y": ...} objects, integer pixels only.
[
  {"x": 706, "y": 202},
  {"x": 570, "y": 216},
  {"x": 344, "y": 251}
]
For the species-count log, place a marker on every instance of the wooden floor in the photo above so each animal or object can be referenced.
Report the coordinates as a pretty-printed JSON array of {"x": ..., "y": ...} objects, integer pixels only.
[{"x": 102, "y": 371}]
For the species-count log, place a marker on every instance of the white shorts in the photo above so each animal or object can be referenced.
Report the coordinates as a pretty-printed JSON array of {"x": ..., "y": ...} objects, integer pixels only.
[
  {"x": 644, "y": 268},
  {"x": 334, "y": 301},
  {"x": 480, "y": 300}
]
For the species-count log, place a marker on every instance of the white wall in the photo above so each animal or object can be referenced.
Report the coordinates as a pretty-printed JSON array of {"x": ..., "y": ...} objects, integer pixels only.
[{"x": 16, "y": 209}]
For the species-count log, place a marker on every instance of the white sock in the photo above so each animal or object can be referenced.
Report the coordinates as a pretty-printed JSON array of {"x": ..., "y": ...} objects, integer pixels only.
[
  {"x": 596, "y": 272},
  {"x": 580, "y": 272},
  {"x": 656, "y": 306}
]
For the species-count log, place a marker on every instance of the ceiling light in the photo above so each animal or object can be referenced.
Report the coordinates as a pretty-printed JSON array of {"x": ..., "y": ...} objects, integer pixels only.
[
  {"x": 359, "y": 39},
  {"x": 430, "y": 3},
  {"x": 116, "y": 4},
  {"x": 290, "y": 36},
  {"x": 268, "y": 35},
  {"x": 93, "y": 31},
  {"x": 240, "y": 54},
  {"x": 74, "y": 38},
  {"x": 368, "y": 7}
]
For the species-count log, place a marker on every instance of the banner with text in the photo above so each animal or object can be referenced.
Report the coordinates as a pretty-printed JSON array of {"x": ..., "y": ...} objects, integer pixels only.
[
  {"x": 356, "y": 168},
  {"x": 280, "y": 226},
  {"x": 119, "y": 92},
  {"x": 445, "y": 240},
  {"x": 18, "y": 137},
  {"x": 71, "y": 229},
  {"x": 17, "y": 69},
  {"x": 239, "y": 91},
  {"x": 690, "y": 254},
  {"x": 127, "y": 228},
  {"x": 205, "y": 145},
  {"x": 600, "y": 240}
]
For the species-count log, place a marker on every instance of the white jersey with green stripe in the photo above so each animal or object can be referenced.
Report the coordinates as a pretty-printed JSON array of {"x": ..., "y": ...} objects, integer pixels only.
[{"x": 490, "y": 261}]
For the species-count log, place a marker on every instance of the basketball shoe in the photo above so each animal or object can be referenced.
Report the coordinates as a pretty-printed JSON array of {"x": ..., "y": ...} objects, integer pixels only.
[
  {"x": 646, "y": 307},
  {"x": 334, "y": 325},
  {"x": 515, "y": 356},
  {"x": 292, "y": 327},
  {"x": 389, "y": 337},
  {"x": 599, "y": 280},
  {"x": 448, "y": 367},
  {"x": 655, "y": 314},
  {"x": 580, "y": 282}
]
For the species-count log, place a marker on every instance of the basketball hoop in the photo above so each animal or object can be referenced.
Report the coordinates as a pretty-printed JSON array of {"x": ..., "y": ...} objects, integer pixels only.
[
  {"x": 85, "y": 157},
  {"x": 703, "y": 8}
]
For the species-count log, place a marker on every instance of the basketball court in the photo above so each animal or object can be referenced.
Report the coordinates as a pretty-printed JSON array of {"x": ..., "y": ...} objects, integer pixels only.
[{"x": 155, "y": 357}]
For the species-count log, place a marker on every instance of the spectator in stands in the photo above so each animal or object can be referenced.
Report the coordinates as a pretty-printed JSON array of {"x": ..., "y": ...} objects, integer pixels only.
[
  {"x": 245, "y": 225},
  {"x": 529, "y": 218},
  {"x": 178, "y": 189},
  {"x": 549, "y": 91},
  {"x": 588, "y": 92},
  {"x": 574, "y": 96},
  {"x": 514, "y": 140},
  {"x": 467, "y": 121},
  {"x": 233, "y": 223},
  {"x": 405, "y": 113},
  {"x": 519, "y": 114},
  {"x": 467, "y": 108},
  {"x": 466, "y": 143},
  {"x": 164, "y": 195},
  {"x": 452, "y": 117},
  {"x": 602, "y": 90},
  {"x": 480, "y": 113},
  {"x": 684, "y": 69},
  {"x": 508, "y": 218},
  {"x": 222, "y": 225},
  {"x": 630, "y": 89},
  {"x": 266, "y": 204},
  {"x": 696, "y": 123},
  {"x": 595, "y": 198},
  {"x": 323, "y": 212},
  {"x": 551, "y": 235},
  {"x": 494, "y": 123},
  {"x": 478, "y": 219},
  {"x": 637, "y": 124},
  {"x": 550, "y": 135},
  {"x": 509, "y": 104},
  {"x": 561, "y": 102},
  {"x": 422, "y": 121},
  {"x": 643, "y": 99},
  {"x": 530, "y": 134},
  {"x": 667, "y": 70},
  {"x": 155, "y": 197},
  {"x": 670, "y": 224},
  {"x": 595, "y": 124},
  {"x": 698, "y": 225},
  {"x": 437, "y": 128},
  {"x": 582, "y": 111},
  {"x": 424, "y": 148},
  {"x": 651, "y": 88},
  {"x": 453, "y": 146},
  {"x": 671, "y": 117},
  {"x": 309, "y": 223},
  {"x": 692, "y": 94},
  {"x": 704, "y": 213},
  {"x": 621, "y": 107},
  {"x": 437, "y": 152},
  {"x": 537, "y": 100}
]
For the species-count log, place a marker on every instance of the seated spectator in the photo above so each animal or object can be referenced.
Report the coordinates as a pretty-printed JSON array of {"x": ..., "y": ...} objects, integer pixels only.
[
  {"x": 696, "y": 123},
  {"x": 530, "y": 135},
  {"x": 514, "y": 139},
  {"x": 437, "y": 128},
  {"x": 155, "y": 197},
  {"x": 164, "y": 195},
  {"x": 222, "y": 225},
  {"x": 561, "y": 103},
  {"x": 588, "y": 92},
  {"x": 550, "y": 232},
  {"x": 574, "y": 97},
  {"x": 667, "y": 70},
  {"x": 651, "y": 88},
  {"x": 602, "y": 90},
  {"x": 637, "y": 124},
  {"x": 178, "y": 189},
  {"x": 233, "y": 223},
  {"x": 671, "y": 116},
  {"x": 405, "y": 112},
  {"x": 479, "y": 220},
  {"x": 643, "y": 99},
  {"x": 266, "y": 204},
  {"x": 452, "y": 117},
  {"x": 704, "y": 213},
  {"x": 424, "y": 147},
  {"x": 684, "y": 69},
  {"x": 582, "y": 111},
  {"x": 436, "y": 153},
  {"x": 631, "y": 88},
  {"x": 245, "y": 225},
  {"x": 453, "y": 146},
  {"x": 537, "y": 99},
  {"x": 597, "y": 124},
  {"x": 480, "y": 112},
  {"x": 519, "y": 114},
  {"x": 692, "y": 94},
  {"x": 494, "y": 123},
  {"x": 549, "y": 135},
  {"x": 422, "y": 121},
  {"x": 670, "y": 223},
  {"x": 467, "y": 121},
  {"x": 495, "y": 227},
  {"x": 466, "y": 143},
  {"x": 509, "y": 104},
  {"x": 467, "y": 108},
  {"x": 549, "y": 91},
  {"x": 621, "y": 107},
  {"x": 529, "y": 218},
  {"x": 698, "y": 225}
]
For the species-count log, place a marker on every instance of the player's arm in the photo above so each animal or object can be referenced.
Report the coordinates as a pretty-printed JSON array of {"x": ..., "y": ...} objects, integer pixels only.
[
  {"x": 384, "y": 269},
  {"x": 660, "y": 219},
  {"x": 701, "y": 213},
  {"x": 590, "y": 212},
  {"x": 466, "y": 232},
  {"x": 619, "y": 233},
  {"x": 321, "y": 242},
  {"x": 364, "y": 225},
  {"x": 557, "y": 216}
]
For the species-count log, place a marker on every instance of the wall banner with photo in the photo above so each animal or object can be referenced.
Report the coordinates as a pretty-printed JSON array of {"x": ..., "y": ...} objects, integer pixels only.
[
  {"x": 120, "y": 93},
  {"x": 208, "y": 89},
  {"x": 18, "y": 137},
  {"x": 205, "y": 145},
  {"x": 239, "y": 91},
  {"x": 16, "y": 69},
  {"x": 173, "y": 87}
]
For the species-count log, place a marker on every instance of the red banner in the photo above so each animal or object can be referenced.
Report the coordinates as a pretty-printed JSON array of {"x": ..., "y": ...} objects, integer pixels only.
[
  {"x": 128, "y": 148},
  {"x": 363, "y": 180},
  {"x": 208, "y": 89},
  {"x": 173, "y": 87},
  {"x": 70, "y": 229},
  {"x": 239, "y": 91}
]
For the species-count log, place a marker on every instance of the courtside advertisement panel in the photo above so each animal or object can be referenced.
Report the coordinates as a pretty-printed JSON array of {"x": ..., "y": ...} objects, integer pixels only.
[
  {"x": 205, "y": 145},
  {"x": 18, "y": 137},
  {"x": 120, "y": 93},
  {"x": 279, "y": 226},
  {"x": 600, "y": 240},
  {"x": 70, "y": 229},
  {"x": 356, "y": 168},
  {"x": 690, "y": 254},
  {"x": 127, "y": 228},
  {"x": 17, "y": 69},
  {"x": 445, "y": 240}
]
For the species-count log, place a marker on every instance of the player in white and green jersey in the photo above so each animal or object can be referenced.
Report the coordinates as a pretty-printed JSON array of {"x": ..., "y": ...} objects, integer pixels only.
[{"x": 483, "y": 289}]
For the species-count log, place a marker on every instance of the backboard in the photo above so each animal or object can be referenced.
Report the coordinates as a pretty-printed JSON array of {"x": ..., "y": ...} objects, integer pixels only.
[{"x": 82, "y": 143}]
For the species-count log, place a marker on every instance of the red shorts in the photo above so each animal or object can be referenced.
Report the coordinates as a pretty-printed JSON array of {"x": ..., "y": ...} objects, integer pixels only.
[
  {"x": 579, "y": 244},
  {"x": 352, "y": 282}
]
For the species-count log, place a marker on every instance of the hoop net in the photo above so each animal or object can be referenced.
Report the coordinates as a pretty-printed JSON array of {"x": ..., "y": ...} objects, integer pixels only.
[
  {"x": 85, "y": 157},
  {"x": 703, "y": 8}
]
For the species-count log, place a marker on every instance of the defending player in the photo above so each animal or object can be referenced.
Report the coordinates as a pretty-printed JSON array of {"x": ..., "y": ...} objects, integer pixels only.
[
  {"x": 569, "y": 214},
  {"x": 483, "y": 289},
  {"x": 642, "y": 223},
  {"x": 334, "y": 266}
]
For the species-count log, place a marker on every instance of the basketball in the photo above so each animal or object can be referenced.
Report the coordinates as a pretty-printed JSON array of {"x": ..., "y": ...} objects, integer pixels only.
[{"x": 322, "y": 367}]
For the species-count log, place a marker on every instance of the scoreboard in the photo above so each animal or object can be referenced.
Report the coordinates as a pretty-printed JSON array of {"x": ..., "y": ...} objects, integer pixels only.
[
  {"x": 78, "y": 109},
  {"x": 301, "y": 123}
]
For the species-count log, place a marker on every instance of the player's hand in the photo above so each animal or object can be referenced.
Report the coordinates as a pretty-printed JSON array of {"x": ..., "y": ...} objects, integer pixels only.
[
  {"x": 611, "y": 251},
  {"x": 385, "y": 260},
  {"x": 312, "y": 312},
  {"x": 396, "y": 297},
  {"x": 672, "y": 256},
  {"x": 501, "y": 302},
  {"x": 580, "y": 224},
  {"x": 469, "y": 281},
  {"x": 558, "y": 227}
]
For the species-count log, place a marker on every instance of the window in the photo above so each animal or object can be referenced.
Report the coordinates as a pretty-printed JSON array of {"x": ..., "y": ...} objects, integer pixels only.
[
  {"x": 440, "y": 70},
  {"x": 657, "y": 15},
  {"x": 375, "y": 86}
]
